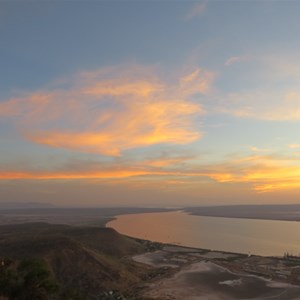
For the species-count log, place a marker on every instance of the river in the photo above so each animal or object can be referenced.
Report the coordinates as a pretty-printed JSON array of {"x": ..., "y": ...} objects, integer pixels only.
[{"x": 261, "y": 237}]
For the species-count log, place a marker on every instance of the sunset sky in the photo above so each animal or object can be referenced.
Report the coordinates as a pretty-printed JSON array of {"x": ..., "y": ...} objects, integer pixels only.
[{"x": 150, "y": 103}]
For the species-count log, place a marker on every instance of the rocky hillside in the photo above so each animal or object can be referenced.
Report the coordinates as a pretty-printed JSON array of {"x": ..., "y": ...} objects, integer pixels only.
[{"x": 87, "y": 261}]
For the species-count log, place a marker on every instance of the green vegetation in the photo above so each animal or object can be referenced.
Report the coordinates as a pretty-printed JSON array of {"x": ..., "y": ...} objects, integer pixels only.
[
  {"x": 30, "y": 279},
  {"x": 42, "y": 261}
]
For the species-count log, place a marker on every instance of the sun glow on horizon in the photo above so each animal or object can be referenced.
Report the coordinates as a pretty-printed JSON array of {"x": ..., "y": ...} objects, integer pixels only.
[{"x": 192, "y": 107}]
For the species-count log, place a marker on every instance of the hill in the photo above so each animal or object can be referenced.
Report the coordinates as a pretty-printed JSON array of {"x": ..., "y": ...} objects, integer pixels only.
[{"x": 85, "y": 260}]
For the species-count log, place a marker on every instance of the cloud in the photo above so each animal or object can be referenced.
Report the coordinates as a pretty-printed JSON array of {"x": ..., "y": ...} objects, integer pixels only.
[
  {"x": 263, "y": 105},
  {"x": 283, "y": 65},
  {"x": 111, "y": 110},
  {"x": 267, "y": 89},
  {"x": 256, "y": 149},
  {"x": 198, "y": 81},
  {"x": 294, "y": 146},
  {"x": 107, "y": 174},
  {"x": 196, "y": 10},
  {"x": 261, "y": 173},
  {"x": 265, "y": 173},
  {"x": 136, "y": 125},
  {"x": 112, "y": 169},
  {"x": 165, "y": 161},
  {"x": 235, "y": 59}
]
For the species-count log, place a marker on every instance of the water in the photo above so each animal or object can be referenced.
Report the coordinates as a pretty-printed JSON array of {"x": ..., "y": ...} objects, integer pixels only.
[{"x": 262, "y": 237}]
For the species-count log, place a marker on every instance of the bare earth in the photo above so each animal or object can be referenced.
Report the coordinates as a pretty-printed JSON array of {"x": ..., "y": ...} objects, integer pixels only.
[{"x": 212, "y": 275}]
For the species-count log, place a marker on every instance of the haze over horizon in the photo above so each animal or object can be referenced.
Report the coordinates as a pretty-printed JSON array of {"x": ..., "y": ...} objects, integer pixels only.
[{"x": 150, "y": 103}]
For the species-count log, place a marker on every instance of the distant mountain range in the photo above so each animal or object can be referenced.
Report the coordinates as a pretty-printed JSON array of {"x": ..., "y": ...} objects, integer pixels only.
[{"x": 22, "y": 205}]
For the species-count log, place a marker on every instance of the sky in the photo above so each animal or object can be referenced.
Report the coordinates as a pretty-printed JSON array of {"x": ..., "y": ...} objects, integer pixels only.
[{"x": 150, "y": 103}]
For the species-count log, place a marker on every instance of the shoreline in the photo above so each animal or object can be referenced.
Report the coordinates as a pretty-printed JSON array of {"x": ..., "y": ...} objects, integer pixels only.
[
  {"x": 186, "y": 273},
  {"x": 243, "y": 237},
  {"x": 244, "y": 218},
  {"x": 181, "y": 272}
]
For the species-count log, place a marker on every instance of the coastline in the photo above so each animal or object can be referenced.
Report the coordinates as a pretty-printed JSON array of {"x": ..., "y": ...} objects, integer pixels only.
[
  {"x": 275, "y": 212},
  {"x": 185, "y": 273},
  {"x": 265, "y": 218},
  {"x": 232, "y": 235},
  {"x": 167, "y": 271}
]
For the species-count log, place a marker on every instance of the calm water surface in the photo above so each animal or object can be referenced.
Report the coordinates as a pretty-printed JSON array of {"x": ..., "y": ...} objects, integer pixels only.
[{"x": 263, "y": 237}]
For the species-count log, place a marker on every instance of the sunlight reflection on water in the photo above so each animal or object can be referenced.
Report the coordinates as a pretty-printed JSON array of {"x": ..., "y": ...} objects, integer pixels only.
[{"x": 262, "y": 237}]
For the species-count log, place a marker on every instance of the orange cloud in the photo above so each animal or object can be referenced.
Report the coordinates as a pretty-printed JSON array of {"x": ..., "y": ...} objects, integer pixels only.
[
  {"x": 294, "y": 146},
  {"x": 261, "y": 173},
  {"x": 136, "y": 88},
  {"x": 111, "y": 111},
  {"x": 198, "y": 81},
  {"x": 256, "y": 149},
  {"x": 113, "y": 172},
  {"x": 137, "y": 125},
  {"x": 73, "y": 175},
  {"x": 164, "y": 162}
]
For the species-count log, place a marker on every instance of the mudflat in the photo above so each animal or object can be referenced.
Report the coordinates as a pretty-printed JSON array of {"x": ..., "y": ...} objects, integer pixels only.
[{"x": 212, "y": 275}]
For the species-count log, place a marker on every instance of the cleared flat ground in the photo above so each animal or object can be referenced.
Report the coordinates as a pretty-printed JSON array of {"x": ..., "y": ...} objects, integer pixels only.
[
  {"x": 206, "y": 280},
  {"x": 197, "y": 274}
]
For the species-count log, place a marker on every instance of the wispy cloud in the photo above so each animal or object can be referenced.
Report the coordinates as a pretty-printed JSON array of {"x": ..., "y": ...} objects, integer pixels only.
[
  {"x": 196, "y": 10},
  {"x": 111, "y": 110},
  {"x": 267, "y": 89},
  {"x": 107, "y": 174},
  {"x": 256, "y": 149},
  {"x": 263, "y": 105},
  {"x": 235, "y": 59},
  {"x": 261, "y": 173},
  {"x": 265, "y": 173},
  {"x": 294, "y": 146}
]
